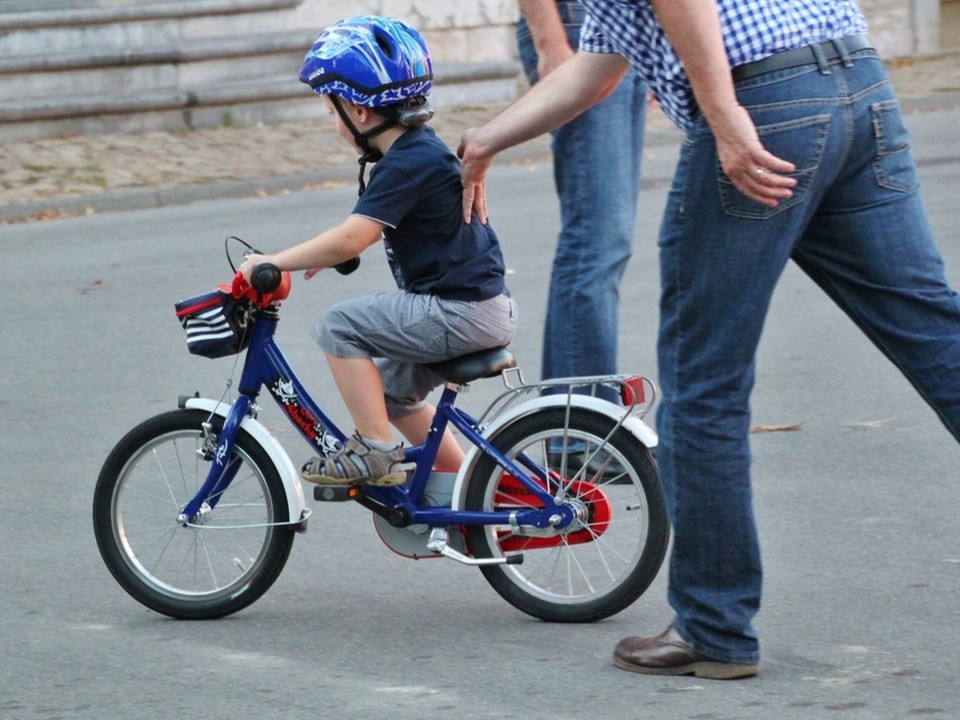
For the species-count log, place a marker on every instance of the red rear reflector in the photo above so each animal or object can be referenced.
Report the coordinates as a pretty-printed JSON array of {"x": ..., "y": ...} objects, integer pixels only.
[{"x": 631, "y": 391}]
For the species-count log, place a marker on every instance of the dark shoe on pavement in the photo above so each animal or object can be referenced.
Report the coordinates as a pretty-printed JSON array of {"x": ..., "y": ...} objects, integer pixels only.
[
  {"x": 610, "y": 471},
  {"x": 670, "y": 654}
]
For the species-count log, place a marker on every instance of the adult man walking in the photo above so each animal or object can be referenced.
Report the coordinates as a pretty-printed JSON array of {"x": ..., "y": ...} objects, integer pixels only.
[{"x": 795, "y": 148}]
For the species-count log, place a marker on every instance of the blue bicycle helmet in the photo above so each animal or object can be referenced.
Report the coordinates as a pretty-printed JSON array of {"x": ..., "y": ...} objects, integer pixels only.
[
  {"x": 372, "y": 61},
  {"x": 376, "y": 62}
]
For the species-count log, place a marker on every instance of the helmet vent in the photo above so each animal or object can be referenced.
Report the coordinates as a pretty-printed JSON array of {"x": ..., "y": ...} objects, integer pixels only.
[{"x": 385, "y": 44}]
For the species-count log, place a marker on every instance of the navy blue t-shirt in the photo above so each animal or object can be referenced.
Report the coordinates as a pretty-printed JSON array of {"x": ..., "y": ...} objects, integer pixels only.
[{"x": 415, "y": 191}]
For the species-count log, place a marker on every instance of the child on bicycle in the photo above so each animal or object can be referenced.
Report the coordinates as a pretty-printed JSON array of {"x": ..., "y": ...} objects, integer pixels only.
[{"x": 375, "y": 73}]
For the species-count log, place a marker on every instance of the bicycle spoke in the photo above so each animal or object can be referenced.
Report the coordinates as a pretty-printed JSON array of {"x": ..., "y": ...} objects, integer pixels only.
[
  {"x": 596, "y": 564},
  {"x": 165, "y": 478}
]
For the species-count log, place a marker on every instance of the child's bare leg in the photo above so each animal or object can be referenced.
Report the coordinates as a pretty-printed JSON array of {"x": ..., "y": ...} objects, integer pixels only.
[
  {"x": 373, "y": 458},
  {"x": 415, "y": 428},
  {"x": 362, "y": 389}
]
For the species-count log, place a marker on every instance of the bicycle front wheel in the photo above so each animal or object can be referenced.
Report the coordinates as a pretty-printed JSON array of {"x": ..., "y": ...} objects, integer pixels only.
[
  {"x": 608, "y": 557},
  {"x": 219, "y": 562}
]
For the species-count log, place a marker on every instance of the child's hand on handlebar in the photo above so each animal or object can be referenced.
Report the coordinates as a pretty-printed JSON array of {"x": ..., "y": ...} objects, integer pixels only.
[
  {"x": 253, "y": 259},
  {"x": 260, "y": 280},
  {"x": 250, "y": 262}
]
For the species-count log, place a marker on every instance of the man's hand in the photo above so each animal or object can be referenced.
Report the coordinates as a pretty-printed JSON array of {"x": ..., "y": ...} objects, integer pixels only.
[
  {"x": 578, "y": 84},
  {"x": 473, "y": 172},
  {"x": 758, "y": 174},
  {"x": 693, "y": 27}
]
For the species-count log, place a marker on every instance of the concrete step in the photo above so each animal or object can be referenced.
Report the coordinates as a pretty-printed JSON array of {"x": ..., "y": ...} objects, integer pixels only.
[
  {"x": 56, "y": 27},
  {"x": 262, "y": 100},
  {"x": 171, "y": 65},
  {"x": 137, "y": 69}
]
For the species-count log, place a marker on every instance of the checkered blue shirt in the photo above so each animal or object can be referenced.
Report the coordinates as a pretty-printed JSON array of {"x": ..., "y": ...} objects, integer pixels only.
[{"x": 753, "y": 29}]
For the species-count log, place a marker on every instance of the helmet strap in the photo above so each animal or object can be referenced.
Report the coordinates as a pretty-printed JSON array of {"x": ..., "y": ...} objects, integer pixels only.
[{"x": 370, "y": 155}]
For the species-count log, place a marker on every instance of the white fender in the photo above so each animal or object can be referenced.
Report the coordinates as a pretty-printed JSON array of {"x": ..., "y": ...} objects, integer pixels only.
[
  {"x": 289, "y": 475},
  {"x": 633, "y": 424}
]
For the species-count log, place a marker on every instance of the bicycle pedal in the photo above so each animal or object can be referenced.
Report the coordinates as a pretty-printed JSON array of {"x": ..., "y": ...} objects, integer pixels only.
[{"x": 336, "y": 493}]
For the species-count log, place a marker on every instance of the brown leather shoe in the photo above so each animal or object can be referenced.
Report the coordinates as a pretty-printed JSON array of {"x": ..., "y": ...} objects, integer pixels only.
[{"x": 670, "y": 654}]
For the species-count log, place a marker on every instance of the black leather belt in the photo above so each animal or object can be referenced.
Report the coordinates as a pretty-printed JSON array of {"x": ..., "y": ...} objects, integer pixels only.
[{"x": 802, "y": 56}]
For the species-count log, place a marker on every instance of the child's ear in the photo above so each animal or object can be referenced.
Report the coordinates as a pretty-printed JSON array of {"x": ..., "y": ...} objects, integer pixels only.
[{"x": 363, "y": 114}]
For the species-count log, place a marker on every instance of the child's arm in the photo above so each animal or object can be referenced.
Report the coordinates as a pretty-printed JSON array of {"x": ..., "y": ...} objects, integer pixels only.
[{"x": 336, "y": 245}]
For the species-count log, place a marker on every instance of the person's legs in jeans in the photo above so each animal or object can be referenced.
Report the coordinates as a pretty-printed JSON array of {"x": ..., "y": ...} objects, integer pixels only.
[
  {"x": 870, "y": 248},
  {"x": 721, "y": 257},
  {"x": 597, "y": 174},
  {"x": 715, "y": 295},
  {"x": 905, "y": 307}
]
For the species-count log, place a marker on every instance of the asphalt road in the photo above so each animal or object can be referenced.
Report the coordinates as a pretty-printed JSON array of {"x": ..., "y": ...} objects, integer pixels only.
[{"x": 858, "y": 508}]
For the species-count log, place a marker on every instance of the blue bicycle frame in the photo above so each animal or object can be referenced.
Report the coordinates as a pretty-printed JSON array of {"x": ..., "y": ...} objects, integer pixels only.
[{"x": 266, "y": 366}]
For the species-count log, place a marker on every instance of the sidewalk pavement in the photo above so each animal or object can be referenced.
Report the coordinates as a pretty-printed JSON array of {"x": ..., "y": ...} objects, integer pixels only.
[{"x": 59, "y": 177}]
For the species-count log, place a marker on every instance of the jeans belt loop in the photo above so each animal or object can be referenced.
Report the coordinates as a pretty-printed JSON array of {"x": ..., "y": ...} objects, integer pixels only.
[
  {"x": 842, "y": 51},
  {"x": 820, "y": 54},
  {"x": 821, "y": 58}
]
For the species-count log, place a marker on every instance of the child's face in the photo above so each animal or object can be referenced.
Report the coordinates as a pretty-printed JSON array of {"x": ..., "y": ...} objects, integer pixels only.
[{"x": 342, "y": 130}]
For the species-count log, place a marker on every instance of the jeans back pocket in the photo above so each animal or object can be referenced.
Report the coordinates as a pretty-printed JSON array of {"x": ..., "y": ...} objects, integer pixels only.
[
  {"x": 802, "y": 142},
  {"x": 893, "y": 163}
]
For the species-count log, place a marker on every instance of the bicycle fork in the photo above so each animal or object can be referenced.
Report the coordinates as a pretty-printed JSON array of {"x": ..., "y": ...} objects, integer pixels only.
[{"x": 223, "y": 465}]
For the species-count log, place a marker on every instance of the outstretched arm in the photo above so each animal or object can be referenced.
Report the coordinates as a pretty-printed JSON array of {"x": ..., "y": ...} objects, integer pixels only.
[
  {"x": 693, "y": 27},
  {"x": 579, "y": 83},
  {"x": 343, "y": 242}
]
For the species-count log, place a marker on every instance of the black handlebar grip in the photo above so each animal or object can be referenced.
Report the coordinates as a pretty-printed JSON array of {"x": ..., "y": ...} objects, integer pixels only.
[
  {"x": 347, "y": 266},
  {"x": 265, "y": 278}
]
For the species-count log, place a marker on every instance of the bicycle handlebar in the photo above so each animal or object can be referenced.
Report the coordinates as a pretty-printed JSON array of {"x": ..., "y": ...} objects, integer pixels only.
[
  {"x": 265, "y": 278},
  {"x": 347, "y": 266}
]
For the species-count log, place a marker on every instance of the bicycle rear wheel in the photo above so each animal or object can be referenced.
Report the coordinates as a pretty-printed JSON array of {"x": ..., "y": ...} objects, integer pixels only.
[
  {"x": 219, "y": 563},
  {"x": 601, "y": 563}
]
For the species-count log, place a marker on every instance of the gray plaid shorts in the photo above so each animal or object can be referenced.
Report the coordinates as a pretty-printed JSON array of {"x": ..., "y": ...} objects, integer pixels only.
[{"x": 401, "y": 330}]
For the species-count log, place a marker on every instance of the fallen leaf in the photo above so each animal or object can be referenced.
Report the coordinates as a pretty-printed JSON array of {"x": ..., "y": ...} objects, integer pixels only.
[
  {"x": 872, "y": 423},
  {"x": 95, "y": 285},
  {"x": 776, "y": 428}
]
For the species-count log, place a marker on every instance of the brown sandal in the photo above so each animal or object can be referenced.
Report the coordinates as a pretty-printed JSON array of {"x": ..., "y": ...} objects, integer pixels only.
[{"x": 357, "y": 464}]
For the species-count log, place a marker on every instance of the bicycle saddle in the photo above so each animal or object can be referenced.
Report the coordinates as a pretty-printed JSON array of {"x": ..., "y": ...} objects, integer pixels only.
[{"x": 467, "y": 368}]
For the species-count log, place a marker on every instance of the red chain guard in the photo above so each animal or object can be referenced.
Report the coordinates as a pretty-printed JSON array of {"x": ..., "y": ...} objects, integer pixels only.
[{"x": 511, "y": 492}]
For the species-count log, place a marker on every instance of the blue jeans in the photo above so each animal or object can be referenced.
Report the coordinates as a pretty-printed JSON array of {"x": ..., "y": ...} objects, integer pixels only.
[
  {"x": 856, "y": 226},
  {"x": 596, "y": 165}
]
